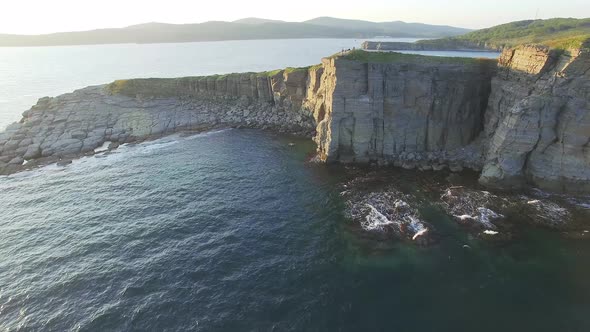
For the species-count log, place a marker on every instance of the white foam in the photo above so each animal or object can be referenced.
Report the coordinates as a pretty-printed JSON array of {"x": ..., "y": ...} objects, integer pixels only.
[
  {"x": 206, "y": 134},
  {"x": 485, "y": 215},
  {"x": 375, "y": 220},
  {"x": 104, "y": 147}
]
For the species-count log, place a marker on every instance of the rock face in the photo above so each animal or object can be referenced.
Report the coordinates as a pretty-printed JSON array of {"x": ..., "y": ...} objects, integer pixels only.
[
  {"x": 537, "y": 126},
  {"x": 77, "y": 123},
  {"x": 389, "y": 112},
  {"x": 523, "y": 121}
]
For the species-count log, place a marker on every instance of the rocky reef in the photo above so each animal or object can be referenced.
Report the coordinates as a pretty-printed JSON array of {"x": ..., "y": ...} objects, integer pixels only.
[
  {"x": 422, "y": 208},
  {"x": 522, "y": 120},
  {"x": 388, "y": 211}
]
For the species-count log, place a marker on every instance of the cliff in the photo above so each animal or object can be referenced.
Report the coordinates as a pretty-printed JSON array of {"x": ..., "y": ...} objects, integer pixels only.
[
  {"x": 522, "y": 120},
  {"x": 126, "y": 111},
  {"x": 537, "y": 124},
  {"x": 400, "y": 108}
]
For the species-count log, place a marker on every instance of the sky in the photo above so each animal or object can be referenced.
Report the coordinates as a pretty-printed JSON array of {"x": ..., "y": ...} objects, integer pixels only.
[{"x": 46, "y": 16}]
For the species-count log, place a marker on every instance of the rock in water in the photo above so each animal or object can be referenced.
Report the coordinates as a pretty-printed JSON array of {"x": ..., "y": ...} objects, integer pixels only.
[
  {"x": 546, "y": 213},
  {"x": 388, "y": 212},
  {"x": 472, "y": 208}
]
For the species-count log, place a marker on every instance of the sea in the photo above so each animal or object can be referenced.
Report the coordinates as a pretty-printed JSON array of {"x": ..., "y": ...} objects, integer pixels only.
[{"x": 239, "y": 230}]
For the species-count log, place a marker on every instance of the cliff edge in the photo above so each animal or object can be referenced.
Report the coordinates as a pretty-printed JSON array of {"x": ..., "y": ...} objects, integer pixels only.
[
  {"x": 78, "y": 123},
  {"x": 537, "y": 126},
  {"x": 522, "y": 120}
]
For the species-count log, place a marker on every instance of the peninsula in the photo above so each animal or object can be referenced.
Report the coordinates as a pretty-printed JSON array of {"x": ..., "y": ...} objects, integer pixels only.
[
  {"x": 521, "y": 120},
  {"x": 557, "y": 33}
]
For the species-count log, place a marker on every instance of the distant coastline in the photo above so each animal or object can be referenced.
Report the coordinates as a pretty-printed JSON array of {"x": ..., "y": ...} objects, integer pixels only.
[{"x": 245, "y": 29}]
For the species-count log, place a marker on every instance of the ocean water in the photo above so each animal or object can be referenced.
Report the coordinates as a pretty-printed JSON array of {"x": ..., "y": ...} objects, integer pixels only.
[
  {"x": 235, "y": 230},
  {"x": 29, "y": 73}
]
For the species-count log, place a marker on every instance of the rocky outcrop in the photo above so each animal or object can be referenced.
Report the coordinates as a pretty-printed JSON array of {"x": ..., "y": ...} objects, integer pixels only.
[
  {"x": 77, "y": 123},
  {"x": 524, "y": 121},
  {"x": 537, "y": 126},
  {"x": 400, "y": 112}
]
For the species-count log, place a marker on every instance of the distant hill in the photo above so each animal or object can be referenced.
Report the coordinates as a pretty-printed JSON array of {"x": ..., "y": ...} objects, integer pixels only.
[
  {"x": 249, "y": 28},
  {"x": 256, "y": 20},
  {"x": 561, "y": 33},
  {"x": 394, "y": 28}
]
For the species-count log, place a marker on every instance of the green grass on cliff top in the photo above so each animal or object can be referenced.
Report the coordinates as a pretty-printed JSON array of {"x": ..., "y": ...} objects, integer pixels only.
[
  {"x": 556, "y": 33},
  {"x": 168, "y": 85},
  {"x": 390, "y": 57},
  {"x": 286, "y": 70}
]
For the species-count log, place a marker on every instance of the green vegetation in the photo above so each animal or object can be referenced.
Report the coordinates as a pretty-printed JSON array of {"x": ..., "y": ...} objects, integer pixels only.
[
  {"x": 389, "y": 57},
  {"x": 557, "y": 33},
  {"x": 117, "y": 86},
  {"x": 287, "y": 70},
  {"x": 171, "y": 86},
  {"x": 316, "y": 67},
  {"x": 147, "y": 86}
]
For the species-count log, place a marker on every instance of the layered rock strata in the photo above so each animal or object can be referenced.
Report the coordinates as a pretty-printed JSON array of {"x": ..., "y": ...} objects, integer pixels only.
[
  {"x": 77, "y": 123},
  {"x": 524, "y": 120},
  {"x": 537, "y": 127},
  {"x": 409, "y": 113}
]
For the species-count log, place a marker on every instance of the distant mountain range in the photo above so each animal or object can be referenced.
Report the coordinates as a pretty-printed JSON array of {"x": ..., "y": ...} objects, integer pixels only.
[{"x": 248, "y": 28}]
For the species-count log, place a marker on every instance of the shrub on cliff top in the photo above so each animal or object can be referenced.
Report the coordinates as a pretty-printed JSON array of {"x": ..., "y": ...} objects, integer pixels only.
[{"x": 118, "y": 86}]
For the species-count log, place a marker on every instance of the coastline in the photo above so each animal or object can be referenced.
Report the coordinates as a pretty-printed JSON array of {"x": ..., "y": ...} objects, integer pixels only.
[{"x": 409, "y": 111}]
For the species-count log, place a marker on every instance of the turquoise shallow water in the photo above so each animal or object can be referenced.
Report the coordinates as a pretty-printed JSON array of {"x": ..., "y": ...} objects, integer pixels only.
[{"x": 235, "y": 231}]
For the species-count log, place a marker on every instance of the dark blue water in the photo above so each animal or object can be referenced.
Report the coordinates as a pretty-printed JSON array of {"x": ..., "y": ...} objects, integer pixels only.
[{"x": 236, "y": 231}]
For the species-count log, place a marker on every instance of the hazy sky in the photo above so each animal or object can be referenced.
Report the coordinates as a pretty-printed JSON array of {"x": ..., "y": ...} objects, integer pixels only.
[{"x": 44, "y": 16}]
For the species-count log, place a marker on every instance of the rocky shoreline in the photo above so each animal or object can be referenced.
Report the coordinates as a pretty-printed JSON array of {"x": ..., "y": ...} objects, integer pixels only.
[
  {"x": 416, "y": 207},
  {"x": 77, "y": 124},
  {"x": 521, "y": 121}
]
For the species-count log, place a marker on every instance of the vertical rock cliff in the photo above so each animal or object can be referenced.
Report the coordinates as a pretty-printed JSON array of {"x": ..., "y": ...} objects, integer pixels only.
[
  {"x": 537, "y": 125},
  {"x": 371, "y": 111},
  {"x": 523, "y": 121}
]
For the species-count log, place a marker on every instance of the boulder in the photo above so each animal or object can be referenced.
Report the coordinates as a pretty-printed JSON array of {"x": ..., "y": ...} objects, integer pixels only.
[
  {"x": 16, "y": 161},
  {"x": 33, "y": 152}
]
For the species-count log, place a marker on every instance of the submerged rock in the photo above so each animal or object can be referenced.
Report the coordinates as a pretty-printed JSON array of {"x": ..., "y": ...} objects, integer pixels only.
[
  {"x": 389, "y": 212},
  {"x": 481, "y": 213},
  {"x": 473, "y": 208},
  {"x": 483, "y": 210},
  {"x": 546, "y": 213}
]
